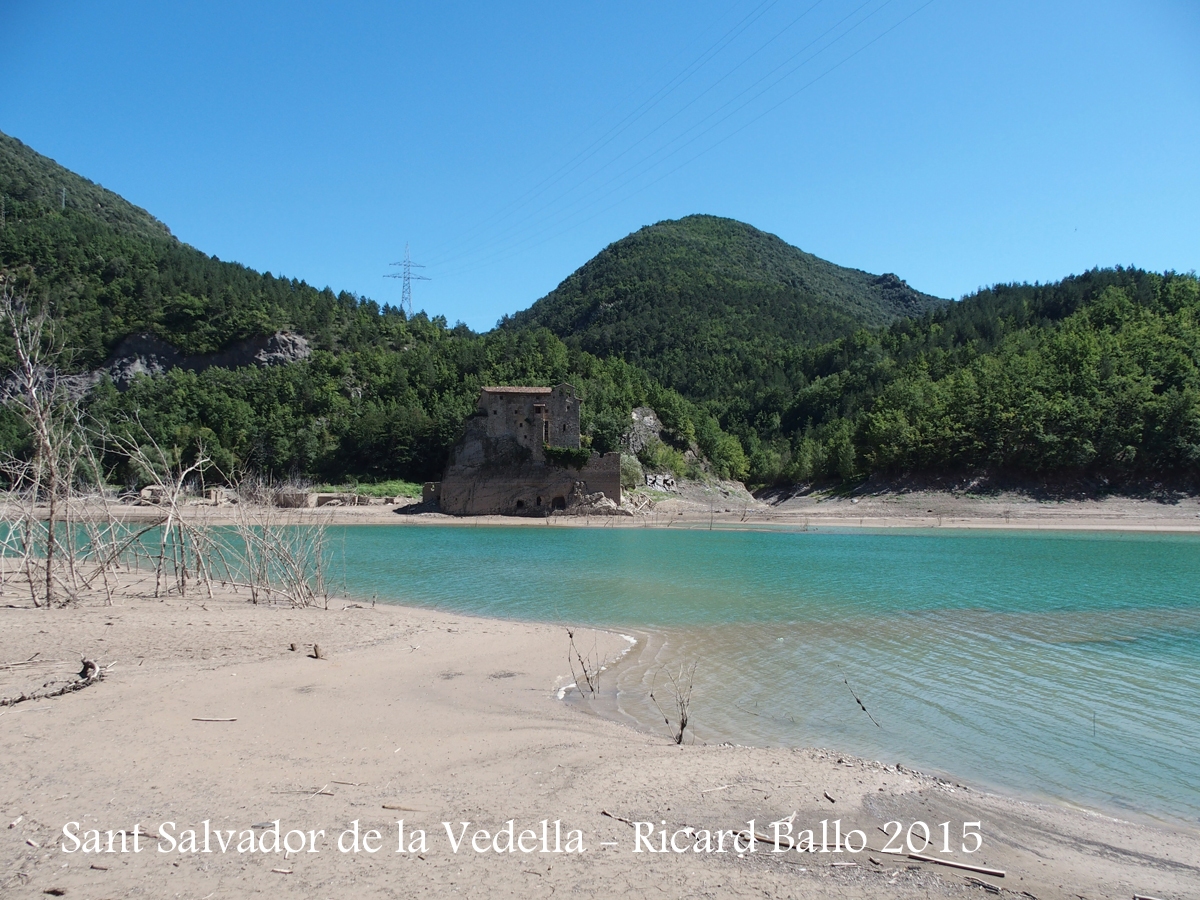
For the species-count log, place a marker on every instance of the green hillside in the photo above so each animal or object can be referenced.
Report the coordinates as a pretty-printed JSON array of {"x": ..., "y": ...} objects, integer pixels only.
[
  {"x": 776, "y": 366},
  {"x": 1095, "y": 377},
  {"x": 699, "y": 302},
  {"x": 382, "y": 396},
  {"x": 110, "y": 269}
]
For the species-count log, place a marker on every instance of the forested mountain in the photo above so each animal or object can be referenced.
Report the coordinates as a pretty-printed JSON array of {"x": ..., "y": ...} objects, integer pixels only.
[
  {"x": 381, "y": 396},
  {"x": 111, "y": 269},
  {"x": 1097, "y": 375},
  {"x": 699, "y": 302},
  {"x": 777, "y": 366}
]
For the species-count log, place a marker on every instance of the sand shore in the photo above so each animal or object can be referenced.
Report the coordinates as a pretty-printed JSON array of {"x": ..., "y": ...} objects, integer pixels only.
[
  {"x": 731, "y": 507},
  {"x": 435, "y": 718}
]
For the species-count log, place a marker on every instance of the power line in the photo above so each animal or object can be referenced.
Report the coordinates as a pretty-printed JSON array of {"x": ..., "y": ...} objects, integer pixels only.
[
  {"x": 623, "y": 124},
  {"x": 405, "y": 273},
  {"x": 681, "y": 141},
  {"x": 665, "y": 150},
  {"x": 712, "y": 146}
]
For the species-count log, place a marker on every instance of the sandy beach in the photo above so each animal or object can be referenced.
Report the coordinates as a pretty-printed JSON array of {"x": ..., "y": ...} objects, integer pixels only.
[{"x": 205, "y": 714}]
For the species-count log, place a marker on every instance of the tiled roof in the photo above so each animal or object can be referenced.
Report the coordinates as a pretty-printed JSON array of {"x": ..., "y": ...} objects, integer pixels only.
[{"x": 517, "y": 390}]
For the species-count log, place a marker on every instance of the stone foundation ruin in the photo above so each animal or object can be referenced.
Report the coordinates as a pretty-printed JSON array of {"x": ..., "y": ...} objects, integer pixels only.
[{"x": 520, "y": 455}]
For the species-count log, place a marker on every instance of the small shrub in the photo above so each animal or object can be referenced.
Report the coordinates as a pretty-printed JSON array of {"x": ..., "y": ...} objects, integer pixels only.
[
  {"x": 632, "y": 475},
  {"x": 568, "y": 456},
  {"x": 660, "y": 457}
]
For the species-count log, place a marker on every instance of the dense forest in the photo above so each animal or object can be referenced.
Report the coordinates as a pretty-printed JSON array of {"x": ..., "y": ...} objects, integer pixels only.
[
  {"x": 775, "y": 365},
  {"x": 382, "y": 396},
  {"x": 702, "y": 303}
]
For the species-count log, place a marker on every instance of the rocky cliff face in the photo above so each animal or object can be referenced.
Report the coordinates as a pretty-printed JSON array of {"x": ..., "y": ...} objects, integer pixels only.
[{"x": 145, "y": 354}]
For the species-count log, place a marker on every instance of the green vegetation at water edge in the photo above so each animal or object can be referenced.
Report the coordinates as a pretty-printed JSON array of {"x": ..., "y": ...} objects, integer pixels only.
[{"x": 394, "y": 488}]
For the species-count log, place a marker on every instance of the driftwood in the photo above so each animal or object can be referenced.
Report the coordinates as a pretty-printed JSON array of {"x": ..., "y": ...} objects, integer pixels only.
[
  {"x": 89, "y": 674},
  {"x": 401, "y": 808},
  {"x": 982, "y": 870}
]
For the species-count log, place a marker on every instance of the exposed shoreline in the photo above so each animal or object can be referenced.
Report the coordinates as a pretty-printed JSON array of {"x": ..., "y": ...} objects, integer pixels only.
[
  {"x": 454, "y": 718},
  {"x": 728, "y": 510}
]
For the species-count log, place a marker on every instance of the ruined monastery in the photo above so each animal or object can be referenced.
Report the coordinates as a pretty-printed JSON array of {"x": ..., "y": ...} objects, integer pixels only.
[{"x": 506, "y": 462}]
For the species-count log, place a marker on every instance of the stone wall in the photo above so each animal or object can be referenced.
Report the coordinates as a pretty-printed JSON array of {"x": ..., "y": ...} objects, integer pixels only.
[
  {"x": 499, "y": 475},
  {"x": 499, "y": 466},
  {"x": 531, "y": 417}
]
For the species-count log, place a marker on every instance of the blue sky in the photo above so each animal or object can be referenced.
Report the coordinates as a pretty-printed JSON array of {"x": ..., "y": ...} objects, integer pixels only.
[{"x": 955, "y": 143}]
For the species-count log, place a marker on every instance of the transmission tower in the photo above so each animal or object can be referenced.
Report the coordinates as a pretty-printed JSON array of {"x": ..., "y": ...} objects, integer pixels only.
[{"x": 406, "y": 275}]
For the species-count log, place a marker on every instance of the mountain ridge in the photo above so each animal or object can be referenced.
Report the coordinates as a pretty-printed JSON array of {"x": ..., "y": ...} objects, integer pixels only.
[
  {"x": 29, "y": 177},
  {"x": 706, "y": 253},
  {"x": 761, "y": 357},
  {"x": 705, "y": 284}
]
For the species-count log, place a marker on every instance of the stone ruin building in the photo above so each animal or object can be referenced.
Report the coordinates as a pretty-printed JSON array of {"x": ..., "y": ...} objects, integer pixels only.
[{"x": 501, "y": 464}]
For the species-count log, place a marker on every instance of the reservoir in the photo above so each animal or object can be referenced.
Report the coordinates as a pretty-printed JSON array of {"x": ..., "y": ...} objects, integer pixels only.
[{"x": 1058, "y": 665}]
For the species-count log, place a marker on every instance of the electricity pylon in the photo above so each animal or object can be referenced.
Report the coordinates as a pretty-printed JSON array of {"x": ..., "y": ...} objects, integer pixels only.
[{"x": 407, "y": 277}]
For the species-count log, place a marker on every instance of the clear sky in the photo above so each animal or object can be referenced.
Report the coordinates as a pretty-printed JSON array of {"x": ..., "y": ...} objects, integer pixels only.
[{"x": 956, "y": 143}]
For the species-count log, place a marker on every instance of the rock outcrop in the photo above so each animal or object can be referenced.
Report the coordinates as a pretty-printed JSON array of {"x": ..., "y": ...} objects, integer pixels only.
[{"x": 146, "y": 354}]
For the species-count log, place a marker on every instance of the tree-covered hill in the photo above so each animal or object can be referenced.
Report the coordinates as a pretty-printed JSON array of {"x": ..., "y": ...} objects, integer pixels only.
[
  {"x": 698, "y": 302},
  {"x": 777, "y": 366},
  {"x": 1096, "y": 376},
  {"x": 110, "y": 269},
  {"x": 382, "y": 396}
]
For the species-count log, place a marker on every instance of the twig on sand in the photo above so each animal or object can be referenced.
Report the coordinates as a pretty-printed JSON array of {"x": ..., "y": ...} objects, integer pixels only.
[
  {"x": 721, "y": 788},
  {"x": 783, "y": 840},
  {"x": 605, "y": 812},
  {"x": 401, "y": 808},
  {"x": 213, "y": 720},
  {"x": 324, "y": 790},
  {"x": 986, "y": 885},
  {"x": 830, "y": 799}
]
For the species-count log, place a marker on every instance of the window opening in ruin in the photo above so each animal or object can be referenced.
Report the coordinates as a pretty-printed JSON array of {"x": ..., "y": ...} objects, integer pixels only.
[
  {"x": 559, "y": 503},
  {"x": 546, "y": 432},
  {"x": 520, "y": 504},
  {"x": 539, "y": 501}
]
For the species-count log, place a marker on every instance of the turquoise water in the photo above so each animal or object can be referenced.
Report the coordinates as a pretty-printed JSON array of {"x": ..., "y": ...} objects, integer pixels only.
[{"x": 1063, "y": 665}]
